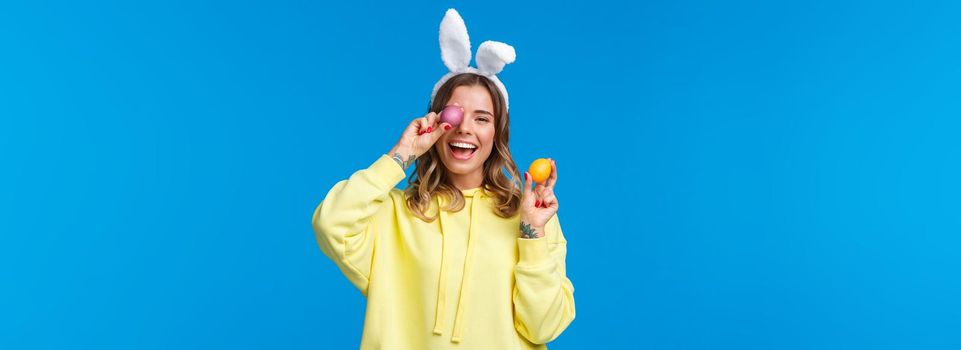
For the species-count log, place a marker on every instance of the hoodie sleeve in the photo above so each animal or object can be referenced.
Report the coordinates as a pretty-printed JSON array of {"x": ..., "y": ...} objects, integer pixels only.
[
  {"x": 543, "y": 295},
  {"x": 343, "y": 222}
]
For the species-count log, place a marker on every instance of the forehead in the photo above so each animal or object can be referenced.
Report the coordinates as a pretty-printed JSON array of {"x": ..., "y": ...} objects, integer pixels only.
[{"x": 474, "y": 97}]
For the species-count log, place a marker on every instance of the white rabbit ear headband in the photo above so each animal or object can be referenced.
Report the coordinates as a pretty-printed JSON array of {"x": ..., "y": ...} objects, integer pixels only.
[{"x": 455, "y": 52}]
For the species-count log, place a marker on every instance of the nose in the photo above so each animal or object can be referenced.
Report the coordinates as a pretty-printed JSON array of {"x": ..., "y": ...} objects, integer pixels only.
[{"x": 465, "y": 127}]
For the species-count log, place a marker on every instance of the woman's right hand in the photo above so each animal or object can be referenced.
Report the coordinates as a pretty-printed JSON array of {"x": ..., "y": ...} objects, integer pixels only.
[{"x": 418, "y": 138}]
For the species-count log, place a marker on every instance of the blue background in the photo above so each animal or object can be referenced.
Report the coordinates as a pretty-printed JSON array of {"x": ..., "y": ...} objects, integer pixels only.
[{"x": 733, "y": 175}]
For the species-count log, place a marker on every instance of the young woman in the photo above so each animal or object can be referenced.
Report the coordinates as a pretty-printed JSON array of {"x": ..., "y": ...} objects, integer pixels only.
[{"x": 465, "y": 257}]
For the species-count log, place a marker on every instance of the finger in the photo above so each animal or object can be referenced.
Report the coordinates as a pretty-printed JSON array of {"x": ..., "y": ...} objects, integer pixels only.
[
  {"x": 546, "y": 196},
  {"x": 549, "y": 201},
  {"x": 456, "y": 104},
  {"x": 417, "y": 125},
  {"x": 428, "y": 125},
  {"x": 552, "y": 180},
  {"x": 423, "y": 125},
  {"x": 431, "y": 118},
  {"x": 539, "y": 190},
  {"x": 526, "y": 186},
  {"x": 538, "y": 199},
  {"x": 438, "y": 132},
  {"x": 412, "y": 126}
]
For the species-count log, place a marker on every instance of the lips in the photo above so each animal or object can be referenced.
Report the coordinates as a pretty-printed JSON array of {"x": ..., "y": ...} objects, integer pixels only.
[{"x": 461, "y": 153}]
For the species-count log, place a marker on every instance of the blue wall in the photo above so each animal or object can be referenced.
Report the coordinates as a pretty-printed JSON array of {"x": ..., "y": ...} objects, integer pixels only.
[{"x": 733, "y": 175}]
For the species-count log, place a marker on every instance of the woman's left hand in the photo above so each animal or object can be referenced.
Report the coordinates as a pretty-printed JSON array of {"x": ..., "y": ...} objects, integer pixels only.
[{"x": 538, "y": 205}]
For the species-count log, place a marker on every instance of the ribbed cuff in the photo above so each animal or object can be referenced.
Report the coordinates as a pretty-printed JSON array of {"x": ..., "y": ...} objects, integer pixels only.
[
  {"x": 387, "y": 172},
  {"x": 532, "y": 251}
]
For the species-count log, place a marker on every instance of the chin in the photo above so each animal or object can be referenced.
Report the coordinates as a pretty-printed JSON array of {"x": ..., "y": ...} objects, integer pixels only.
[{"x": 456, "y": 167}]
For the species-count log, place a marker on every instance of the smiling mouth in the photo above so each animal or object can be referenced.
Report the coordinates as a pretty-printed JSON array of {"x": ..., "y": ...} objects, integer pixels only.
[{"x": 461, "y": 153}]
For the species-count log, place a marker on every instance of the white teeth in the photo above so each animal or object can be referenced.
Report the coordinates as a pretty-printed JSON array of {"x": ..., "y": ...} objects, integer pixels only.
[{"x": 462, "y": 145}]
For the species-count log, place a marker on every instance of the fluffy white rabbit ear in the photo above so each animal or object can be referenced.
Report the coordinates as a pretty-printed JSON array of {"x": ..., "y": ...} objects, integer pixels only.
[
  {"x": 454, "y": 42},
  {"x": 493, "y": 55}
]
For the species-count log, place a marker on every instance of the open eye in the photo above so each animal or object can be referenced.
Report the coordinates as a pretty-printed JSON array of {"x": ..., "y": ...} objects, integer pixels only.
[{"x": 483, "y": 119}]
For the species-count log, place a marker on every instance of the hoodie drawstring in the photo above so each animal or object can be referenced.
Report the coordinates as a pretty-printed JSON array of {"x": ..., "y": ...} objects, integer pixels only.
[{"x": 442, "y": 281}]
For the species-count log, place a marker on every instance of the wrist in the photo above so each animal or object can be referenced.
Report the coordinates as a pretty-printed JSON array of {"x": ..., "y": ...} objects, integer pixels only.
[
  {"x": 529, "y": 231},
  {"x": 404, "y": 156}
]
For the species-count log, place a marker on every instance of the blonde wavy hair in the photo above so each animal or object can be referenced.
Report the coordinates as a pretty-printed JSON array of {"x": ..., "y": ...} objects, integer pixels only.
[{"x": 430, "y": 177}]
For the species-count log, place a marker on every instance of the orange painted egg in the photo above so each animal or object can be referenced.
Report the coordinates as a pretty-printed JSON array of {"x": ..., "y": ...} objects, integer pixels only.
[{"x": 540, "y": 170}]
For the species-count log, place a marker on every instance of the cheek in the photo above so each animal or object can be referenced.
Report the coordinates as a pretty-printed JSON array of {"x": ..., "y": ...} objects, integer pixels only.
[{"x": 488, "y": 139}]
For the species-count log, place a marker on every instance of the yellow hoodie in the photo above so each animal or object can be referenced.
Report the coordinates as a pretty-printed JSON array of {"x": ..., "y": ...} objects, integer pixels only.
[{"x": 464, "y": 281}]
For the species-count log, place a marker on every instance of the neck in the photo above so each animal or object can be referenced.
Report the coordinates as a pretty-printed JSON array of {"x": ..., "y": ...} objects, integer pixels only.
[{"x": 468, "y": 181}]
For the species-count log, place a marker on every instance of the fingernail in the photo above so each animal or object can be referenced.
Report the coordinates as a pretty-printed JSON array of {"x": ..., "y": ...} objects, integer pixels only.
[
  {"x": 537, "y": 203},
  {"x": 430, "y": 128},
  {"x": 446, "y": 127}
]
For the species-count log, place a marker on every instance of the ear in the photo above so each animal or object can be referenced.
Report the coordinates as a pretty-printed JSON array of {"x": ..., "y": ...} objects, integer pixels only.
[
  {"x": 493, "y": 55},
  {"x": 454, "y": 43}
]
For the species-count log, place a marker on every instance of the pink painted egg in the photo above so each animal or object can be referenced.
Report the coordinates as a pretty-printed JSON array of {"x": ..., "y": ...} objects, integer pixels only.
[{"x": 453, "y": 115}]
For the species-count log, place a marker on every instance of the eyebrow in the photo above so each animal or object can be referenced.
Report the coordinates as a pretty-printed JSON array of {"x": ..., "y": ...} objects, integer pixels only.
[{"x": 481, "y": 111}]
